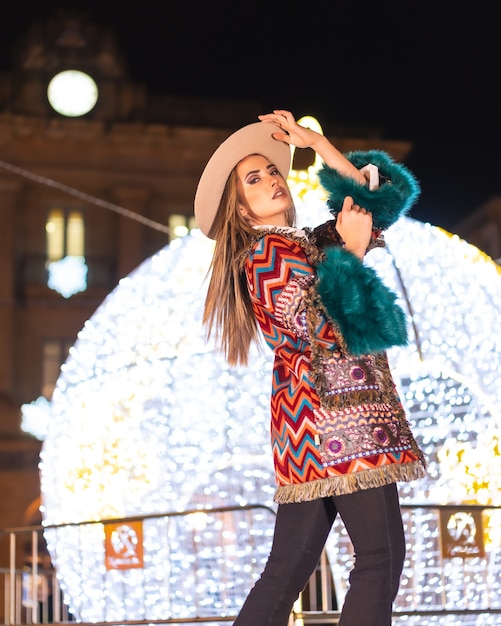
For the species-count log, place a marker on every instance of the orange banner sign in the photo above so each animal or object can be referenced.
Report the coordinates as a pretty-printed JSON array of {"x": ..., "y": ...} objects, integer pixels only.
[{"x": 123, "y": 545}]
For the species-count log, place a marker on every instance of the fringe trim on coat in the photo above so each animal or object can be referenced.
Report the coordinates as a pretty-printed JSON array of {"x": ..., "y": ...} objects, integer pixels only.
[{"x": 349, "y": 483}]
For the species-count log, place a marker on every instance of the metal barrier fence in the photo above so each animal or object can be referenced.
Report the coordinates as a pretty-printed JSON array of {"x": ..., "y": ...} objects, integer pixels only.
[{"x": 452, "y": 575}]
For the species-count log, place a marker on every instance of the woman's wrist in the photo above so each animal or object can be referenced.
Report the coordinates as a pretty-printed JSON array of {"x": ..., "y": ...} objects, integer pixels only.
[{"x": 333, "y": 158}]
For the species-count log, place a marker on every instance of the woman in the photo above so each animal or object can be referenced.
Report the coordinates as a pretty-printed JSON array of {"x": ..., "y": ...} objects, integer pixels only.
[{"x": 339, "y": 435}]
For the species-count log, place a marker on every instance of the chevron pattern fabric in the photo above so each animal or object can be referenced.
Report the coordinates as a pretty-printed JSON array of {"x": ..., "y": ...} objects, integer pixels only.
[{"x": 319, "y": 450}]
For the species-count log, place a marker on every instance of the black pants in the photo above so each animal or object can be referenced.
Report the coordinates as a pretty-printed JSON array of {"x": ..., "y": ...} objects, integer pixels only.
[{"x": 373, "y": 520}]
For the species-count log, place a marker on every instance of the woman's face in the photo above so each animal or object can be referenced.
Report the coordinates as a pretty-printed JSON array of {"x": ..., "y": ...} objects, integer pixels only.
[{"x": 264, "y": 196}]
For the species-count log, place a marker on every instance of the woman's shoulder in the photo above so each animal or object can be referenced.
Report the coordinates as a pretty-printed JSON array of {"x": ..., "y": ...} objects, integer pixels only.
[
  {"x": 275, "y": 238},
  {"x": 280, "y": 236},
  {"x": 280, "y": 253}
]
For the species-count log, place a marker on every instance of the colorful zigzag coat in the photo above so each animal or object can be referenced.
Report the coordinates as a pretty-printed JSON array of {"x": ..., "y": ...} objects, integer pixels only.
[{"x": 337, "y": 423}]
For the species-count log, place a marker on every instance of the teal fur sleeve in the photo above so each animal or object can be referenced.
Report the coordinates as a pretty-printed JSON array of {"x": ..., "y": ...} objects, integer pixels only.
[
  {"x": 392, "y": 200},
  {"x": 362, "y": 306}
]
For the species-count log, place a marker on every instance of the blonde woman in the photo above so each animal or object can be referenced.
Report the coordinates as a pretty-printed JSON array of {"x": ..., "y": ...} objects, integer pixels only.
[{"x": 340, "y": 438}]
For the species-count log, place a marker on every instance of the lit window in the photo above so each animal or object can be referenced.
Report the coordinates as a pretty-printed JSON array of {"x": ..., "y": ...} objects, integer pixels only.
[
  {"x": 65, "y": 234},
  {"x": 66, "y": 267},
  {"x": 180, "y": 225}
]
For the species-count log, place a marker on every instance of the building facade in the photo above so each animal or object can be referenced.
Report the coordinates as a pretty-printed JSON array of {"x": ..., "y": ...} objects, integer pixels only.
[
  {"x": 86, "y": 195},
  {"x": 482, "y": 228}
]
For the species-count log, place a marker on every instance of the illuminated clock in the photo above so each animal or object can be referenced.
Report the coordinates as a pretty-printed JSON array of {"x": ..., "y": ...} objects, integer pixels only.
[{"x": 72, "y": 93}]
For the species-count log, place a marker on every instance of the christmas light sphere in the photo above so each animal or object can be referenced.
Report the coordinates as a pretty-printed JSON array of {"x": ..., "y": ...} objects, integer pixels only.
[{"x": 146, "y": 418}]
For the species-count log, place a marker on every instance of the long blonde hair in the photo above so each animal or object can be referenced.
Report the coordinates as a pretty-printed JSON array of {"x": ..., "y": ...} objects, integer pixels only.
[{"x": 228, "y": 315}]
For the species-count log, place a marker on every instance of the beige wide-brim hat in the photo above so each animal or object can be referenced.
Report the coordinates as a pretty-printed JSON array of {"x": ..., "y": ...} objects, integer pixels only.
[{"x": 251, "y": 139}]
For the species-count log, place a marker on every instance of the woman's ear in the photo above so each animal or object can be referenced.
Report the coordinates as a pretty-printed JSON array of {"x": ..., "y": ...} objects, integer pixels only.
[{"x": 243, "y": 210}]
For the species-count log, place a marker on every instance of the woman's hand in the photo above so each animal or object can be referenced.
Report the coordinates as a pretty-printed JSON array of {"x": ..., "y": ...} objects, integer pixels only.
[
  {"x": 354, "y": 225},
  {"x": 293, "y": 133},
  {"x": 301, "y": 137}
]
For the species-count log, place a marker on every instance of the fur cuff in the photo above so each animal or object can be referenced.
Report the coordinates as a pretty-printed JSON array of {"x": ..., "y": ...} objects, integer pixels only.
[
  {"x": 394, "y": 197},
  {"x": 360, "y": 304}
]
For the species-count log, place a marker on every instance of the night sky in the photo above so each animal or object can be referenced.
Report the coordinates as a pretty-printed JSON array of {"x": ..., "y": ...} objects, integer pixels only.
[{"x": 427, "y": 73}]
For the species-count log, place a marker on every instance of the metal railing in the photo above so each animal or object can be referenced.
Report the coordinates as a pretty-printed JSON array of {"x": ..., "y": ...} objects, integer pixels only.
[{"x": 452, "y": 574}]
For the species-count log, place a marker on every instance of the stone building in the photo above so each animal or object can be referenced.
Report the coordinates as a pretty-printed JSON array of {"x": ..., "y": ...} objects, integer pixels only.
[{"x": 482, "y": 228}]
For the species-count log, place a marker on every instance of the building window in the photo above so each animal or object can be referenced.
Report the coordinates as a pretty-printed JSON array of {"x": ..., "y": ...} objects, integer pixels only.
[
  {"x": 180, "y": 225},
  {"x": 66, "y": 267},
  {"x": 54, "y": 354},
  {"x": 65, "y": 234}
]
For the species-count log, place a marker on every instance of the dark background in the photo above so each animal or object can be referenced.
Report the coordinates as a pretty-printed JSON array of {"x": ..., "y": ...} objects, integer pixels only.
[{"x": 423, "y": 72}]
